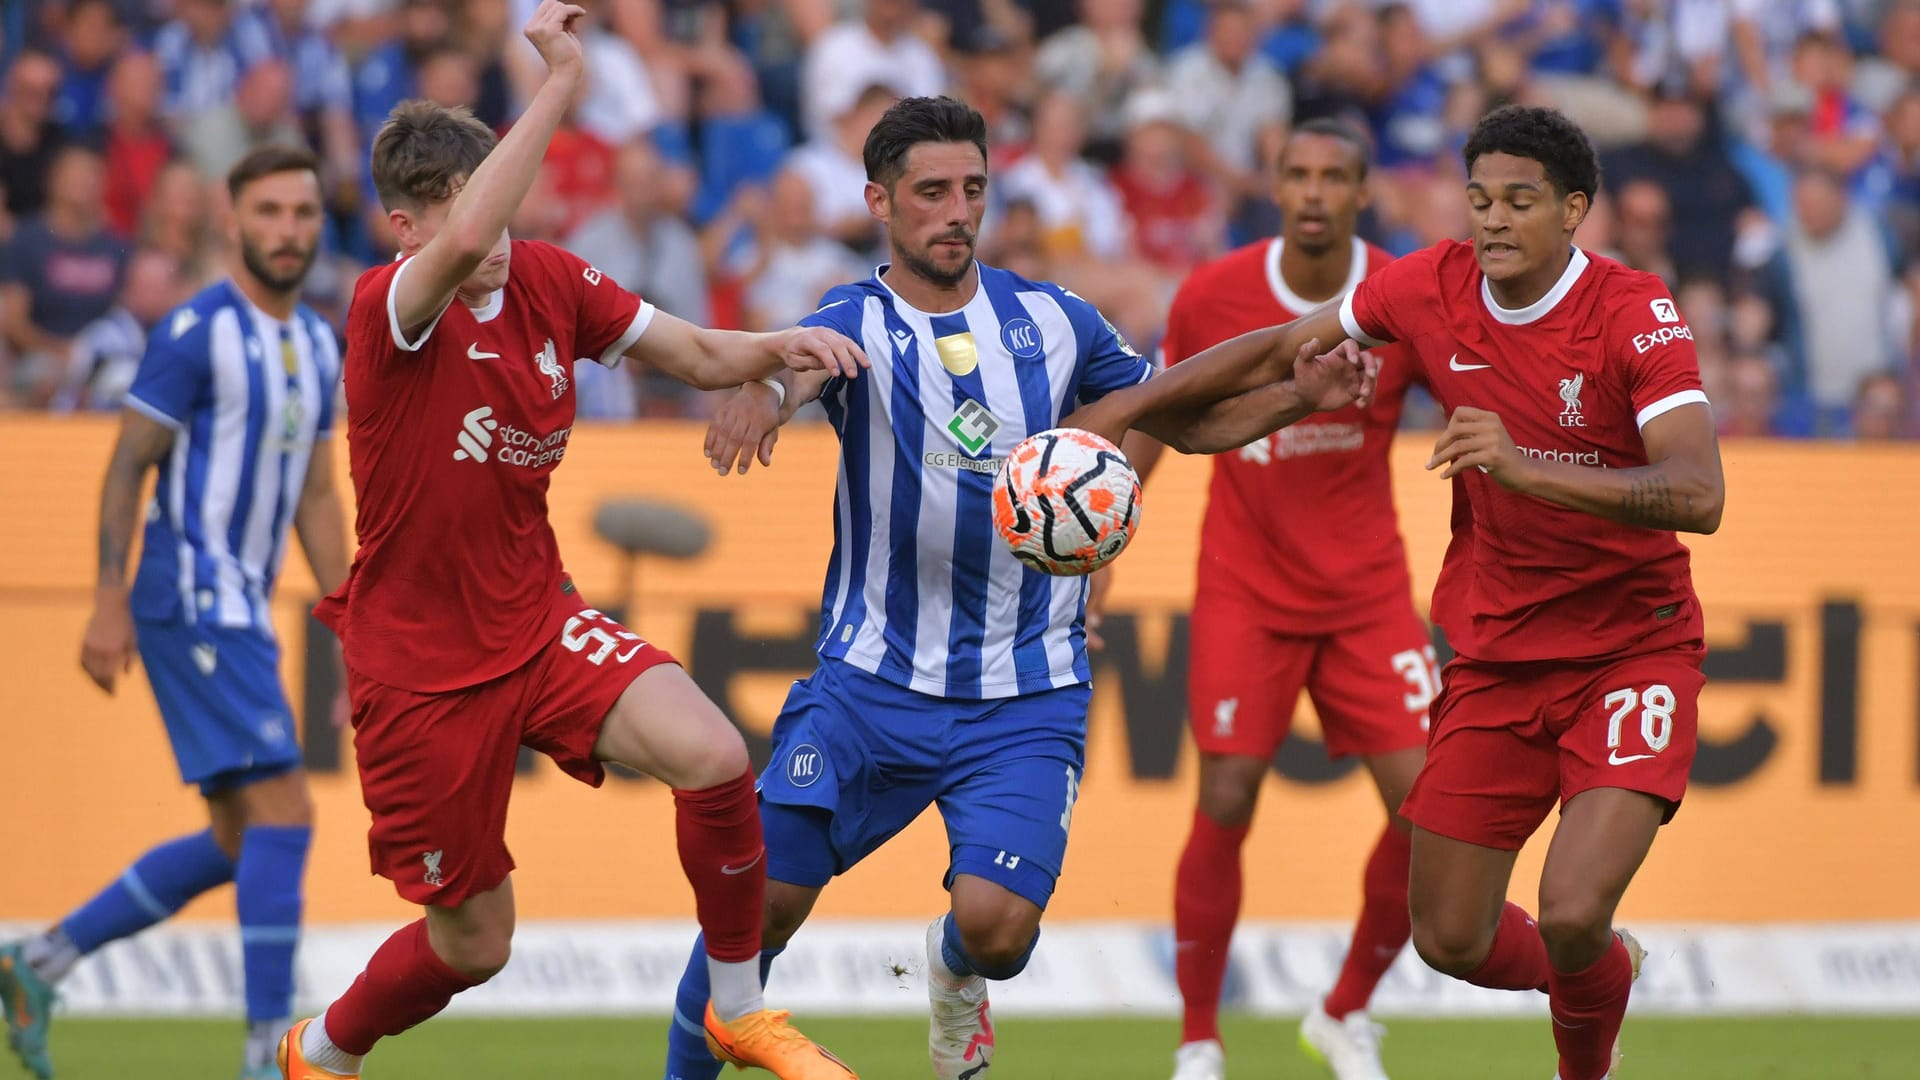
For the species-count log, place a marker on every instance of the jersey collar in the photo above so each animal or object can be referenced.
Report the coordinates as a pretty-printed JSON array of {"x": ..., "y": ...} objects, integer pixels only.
[
  {"x": 1537, "y": 310},
  {"x": 1291, "y": 300}
]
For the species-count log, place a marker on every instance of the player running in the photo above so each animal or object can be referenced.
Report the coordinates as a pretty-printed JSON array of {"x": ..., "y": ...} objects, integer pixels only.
[
  {"x": 1302, "y": 585},
  {"x": 464, "y": 637},
  {"x": 949, "y": 674},
  {"x": 234, "y": 402},
  {"x": 1579, "y": 441}
]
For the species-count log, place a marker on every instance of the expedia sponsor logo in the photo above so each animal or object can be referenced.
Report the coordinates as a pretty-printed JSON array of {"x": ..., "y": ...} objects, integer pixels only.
[
  {"x": 1665, "y": 335},
  {"x": 939, "y": 460}
]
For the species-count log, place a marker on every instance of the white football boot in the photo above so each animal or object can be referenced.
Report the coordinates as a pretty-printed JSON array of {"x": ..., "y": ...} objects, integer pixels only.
[
  {"x": 1204, "y": 1060},
  {"x": 960, "y": 1026},
  {"x": 1348, "y": 1047}
]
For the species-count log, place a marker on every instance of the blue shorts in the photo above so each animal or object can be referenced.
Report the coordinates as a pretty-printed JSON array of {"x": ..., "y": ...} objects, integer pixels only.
[
  {"x": 220, "y": 696},
  {"x": 857, "y": 758}
]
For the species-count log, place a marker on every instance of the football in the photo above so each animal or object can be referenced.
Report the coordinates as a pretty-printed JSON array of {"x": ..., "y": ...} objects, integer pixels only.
[{"x": 1066, "y": 502}]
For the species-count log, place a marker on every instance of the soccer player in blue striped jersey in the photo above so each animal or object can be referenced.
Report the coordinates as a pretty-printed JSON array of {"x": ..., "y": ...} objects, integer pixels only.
[
  {"x": 233, "y": 404},
  {"x": 949, "y": 674}
]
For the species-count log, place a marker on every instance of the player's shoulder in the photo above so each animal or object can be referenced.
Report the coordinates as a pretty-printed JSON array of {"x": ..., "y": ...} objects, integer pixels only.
[
  {"x": 1075, "y": 307},
  {"x": 190, "y": 325},
  {"x": 844, "y": 306},
  {"x": 1377, "y": 257},
  {"x": 1617, "y": 286},
  {"x": 1239, "y": 270}
]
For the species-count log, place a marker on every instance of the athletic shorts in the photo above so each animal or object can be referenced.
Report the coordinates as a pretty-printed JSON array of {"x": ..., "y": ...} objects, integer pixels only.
[
  {"x": 436, "y": 769},
  {"x": 868, "y": 756},
  {"x": 1509, "y": 740},
  {"x": 220, "y": 697},
  {"x": 1371, "y": 684}
]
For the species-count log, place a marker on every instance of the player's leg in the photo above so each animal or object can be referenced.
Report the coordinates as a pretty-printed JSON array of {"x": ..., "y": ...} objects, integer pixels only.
[
  {"x": 1372, "y": 685},
  {"x": 1491, "y": 777},
  {"x": 1624, "y": 760},
  {"x": 267, "y": 822},
  {"x": 1015, "y": 767},
  {"x": 1242, "y": 685},
  {"x": 442, "y": 844}
]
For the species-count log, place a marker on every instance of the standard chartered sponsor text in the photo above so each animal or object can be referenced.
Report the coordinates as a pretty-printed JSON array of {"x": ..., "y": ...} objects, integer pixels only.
[{"x": 527, "y": 450}]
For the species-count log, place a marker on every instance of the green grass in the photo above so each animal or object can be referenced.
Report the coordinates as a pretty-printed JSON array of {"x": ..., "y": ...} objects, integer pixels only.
[{"x": 1116, "y": 1049}]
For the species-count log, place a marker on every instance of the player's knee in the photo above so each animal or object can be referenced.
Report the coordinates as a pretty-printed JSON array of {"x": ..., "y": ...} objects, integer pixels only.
[
  {"x": 1230, "y": 788},
  {"x": 1574, "y": 924},
  {"x": 997, "y": 948},
  {"x": 782, "y": 917},
  {"x": 479, "y": 955},
  {"x": 1452, "y": 948}
]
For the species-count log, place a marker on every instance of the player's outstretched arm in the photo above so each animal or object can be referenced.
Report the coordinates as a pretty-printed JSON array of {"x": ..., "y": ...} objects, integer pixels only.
[
  {"x": 1177, "y": 406},
  {"x": 719, "y": 359},
  {"x": 486, "y": 203},
  {"x": 1681, "y": 488},
  {"x": 108, "y": 647},
  {"x": 748, "y": 423}
]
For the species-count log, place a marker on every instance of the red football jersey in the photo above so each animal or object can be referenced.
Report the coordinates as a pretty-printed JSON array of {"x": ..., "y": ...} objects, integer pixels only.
[
  {"x": 1574, "y": 378},
  {"x": 452, "y": 438},
  {"x": 1301, "y": 521}
]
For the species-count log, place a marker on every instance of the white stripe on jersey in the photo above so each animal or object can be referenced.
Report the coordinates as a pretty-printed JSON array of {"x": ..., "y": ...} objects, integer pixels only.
[
  {"x": 226, "y": 458},
  {"x": 871, "y": 639}
]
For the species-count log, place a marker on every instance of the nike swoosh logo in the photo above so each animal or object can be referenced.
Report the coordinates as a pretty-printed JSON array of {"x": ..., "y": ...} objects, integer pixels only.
[
  {"x": 755, "y": 861},
  {"x": 474, "y": 353},
  {"x": 1453, "y": 362},
  {"x": 1615, "y": 758}
]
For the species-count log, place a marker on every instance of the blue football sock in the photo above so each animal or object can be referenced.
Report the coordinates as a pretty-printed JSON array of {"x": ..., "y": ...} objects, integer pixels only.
[
  {"x": 267, "y": 892},
  {"x": 687, "y": 1055},
  {"x": 156, "y": 886}
]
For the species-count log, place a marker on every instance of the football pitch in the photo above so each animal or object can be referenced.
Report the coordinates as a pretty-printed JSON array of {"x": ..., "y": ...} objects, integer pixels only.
[{"x": 1770, "y": 1048}]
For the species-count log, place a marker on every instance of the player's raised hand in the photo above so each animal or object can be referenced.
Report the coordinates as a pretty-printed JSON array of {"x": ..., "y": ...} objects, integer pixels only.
[
  {"x": 1476, "y": 438},
  {"x": 106, "y": 652},
  {"x": 552, "y": 30},
  {"x": 745, "y": 426},
  {"x": 816, "y": 348},
  {"x": 1335, "y": 379}
]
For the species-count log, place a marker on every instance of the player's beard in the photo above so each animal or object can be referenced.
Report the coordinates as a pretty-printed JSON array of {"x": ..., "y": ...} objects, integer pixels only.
[
  {"x": 925, "y": 268},
  {"x": 262, "y": 269}
]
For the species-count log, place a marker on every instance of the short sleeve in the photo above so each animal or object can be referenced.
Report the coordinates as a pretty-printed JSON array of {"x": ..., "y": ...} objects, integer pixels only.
[
  {"x": 1107, "y": 361},
  {"x": 175, "y": 371},
  {"x": 1177, "y": 340},
  {"x": 1655, "y": 346},
  {"x": 610, "y": 318},
  {"x": 842, "y": 309},
  {"x": 1392, "y": 303}
]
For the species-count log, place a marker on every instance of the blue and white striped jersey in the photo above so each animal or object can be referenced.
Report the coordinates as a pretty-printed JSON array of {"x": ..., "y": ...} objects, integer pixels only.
[
  {"x": 920, "y": 590},
  {"x": 246, "y": 396}
]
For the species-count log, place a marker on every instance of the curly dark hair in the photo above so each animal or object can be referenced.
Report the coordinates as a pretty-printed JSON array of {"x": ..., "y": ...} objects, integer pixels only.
[
  {"x": 1542, "y": 135},
  {"x": 913, "y": 121}
]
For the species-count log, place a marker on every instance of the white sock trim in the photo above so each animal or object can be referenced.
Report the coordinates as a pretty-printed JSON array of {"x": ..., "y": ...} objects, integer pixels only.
[
  {"x": 320, "y": 1051},
  {"x": 736, "y": 987},
  {"x": 51, "y": 955},
  {"x": 937, "y": 956}
]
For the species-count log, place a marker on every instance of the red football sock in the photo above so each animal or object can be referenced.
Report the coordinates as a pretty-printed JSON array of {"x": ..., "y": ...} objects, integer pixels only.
[
  {"x": 1588, "y": 1007},
  {"x": 1383, "y": 927},
  {"x": 1518, "y": 959},
  {"x": 404, "y": 983},
  {"x": 725, "y": 861},
  {"x": 1206, "y": 904}
]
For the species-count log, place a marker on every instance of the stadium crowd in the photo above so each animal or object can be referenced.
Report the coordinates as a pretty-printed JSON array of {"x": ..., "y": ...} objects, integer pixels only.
[{"x": 1763, "y": 156}]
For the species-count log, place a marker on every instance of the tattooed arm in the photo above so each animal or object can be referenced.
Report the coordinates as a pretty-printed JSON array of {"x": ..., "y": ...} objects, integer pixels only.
[
  {"x": 1682, "y": 488},
  {"x": 107, "y": 650}
]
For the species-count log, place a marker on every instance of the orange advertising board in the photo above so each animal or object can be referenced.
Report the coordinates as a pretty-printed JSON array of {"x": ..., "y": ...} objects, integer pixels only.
[{"x": 1805, "y": 806}]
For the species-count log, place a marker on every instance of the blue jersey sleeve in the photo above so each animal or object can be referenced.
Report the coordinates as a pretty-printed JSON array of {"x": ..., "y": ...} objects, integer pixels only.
[
  {"x": 176, "y": 371},
  {"x": 843, "y": 308},
  {"x": 1107, "y": 361}
]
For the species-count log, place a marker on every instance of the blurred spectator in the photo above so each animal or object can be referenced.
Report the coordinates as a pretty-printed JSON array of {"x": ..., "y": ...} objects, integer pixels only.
[
  {"x": 61, "y": 271},
  {"x": 1707, "y": 196},
  {"x": 91, "y": 40},
  {"x": 178, "y": 220},
  {"x": 640, "y": 243},
  {"x": 880, "y": 47},
  {"x": 1880, "y": 409},
  {"x": 448, "y": 76},
  {"x": 837, "y": 176},
  {"x": 1643, "y": 228},
  {"x": 385, "y": 77},
  {"x": 1842, "y": 132},
  {"x": 203, "y": 53},
  {"x": 1877, "y": 80},
  {"x": 1103, "y": 61},
  {"x": 1893, "y": 183},
  {"x": 790, "y": 264},
  {"x": 482, "y": 34},
  {"x": 1014, "y": 243},
  {"x": 1844, "y": 285},
  {"x": 136, "y": 146},
  {"x": 1406, "y": 112},
  {"x": 1172, "y": 214},
  {"x": 740, "y": 140},
  {"x": 1080, "y": 215},
  {"x": 993, "y": 76},
  {"x": 29, "y": 138},
  {"x": 1764, "y": 34},
  {"x": 322, "y": 91},
  {"x": 1747, "y": 405},
  {"x": 1228, "y": 93},
  {"x": 105, "y": 355},
  {"x": 619, "y": 101}
]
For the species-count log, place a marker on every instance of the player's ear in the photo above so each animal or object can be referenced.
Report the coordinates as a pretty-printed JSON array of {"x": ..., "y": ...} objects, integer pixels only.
[
  {"x": 401, "y": 222},
  {"x": 879, "y": 204},
  {"x": 1576, "y": 206}
]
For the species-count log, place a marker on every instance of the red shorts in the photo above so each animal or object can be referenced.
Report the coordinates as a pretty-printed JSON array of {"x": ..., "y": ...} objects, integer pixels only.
[
  {"x": 1370, "y": 684},
  {"x": 436, "y": 769},
  {"x": 1511, "y": 739}
]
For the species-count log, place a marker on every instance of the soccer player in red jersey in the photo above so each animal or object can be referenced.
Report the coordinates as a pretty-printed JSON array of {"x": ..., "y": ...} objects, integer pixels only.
[
  {"x": 1302, "y": 585},
  {"x": 464, "y": 638},
  {"x": 1578, "y": 443}
]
